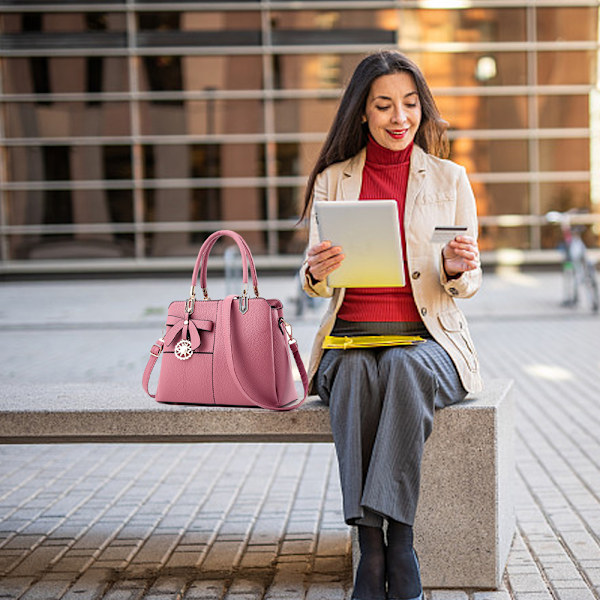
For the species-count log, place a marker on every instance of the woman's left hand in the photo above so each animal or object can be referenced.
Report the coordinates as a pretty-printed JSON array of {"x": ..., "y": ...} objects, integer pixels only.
[{"x": 460, "y": 255}]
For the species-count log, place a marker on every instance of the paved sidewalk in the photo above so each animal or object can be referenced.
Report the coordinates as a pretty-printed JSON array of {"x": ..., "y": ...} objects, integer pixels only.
[{"x": 250, "y": 522}]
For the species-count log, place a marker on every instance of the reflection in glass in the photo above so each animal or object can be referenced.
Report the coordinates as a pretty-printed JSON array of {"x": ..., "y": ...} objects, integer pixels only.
[
  {"x": 33, "y": 163},
  {"x": 66, "y": 119},
  {"x": 484, "y": 112},
  {"x": 563, "y": 111},
  {"x": 201, "y": 117},
  {"x": 565, "y": 67},
  {"x": 174, "y": 161},
  {"x": 577, "y": 23},
  {"x": 492, "y": 156},
  {"x": 461, "y": 69},
  {"x": 564, "y": 155}
]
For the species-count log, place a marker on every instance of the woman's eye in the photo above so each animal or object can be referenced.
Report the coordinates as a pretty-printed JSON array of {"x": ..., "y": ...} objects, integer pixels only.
[
  {"x": 382, "y": 107},
  {"x": 411, "y": 105}
]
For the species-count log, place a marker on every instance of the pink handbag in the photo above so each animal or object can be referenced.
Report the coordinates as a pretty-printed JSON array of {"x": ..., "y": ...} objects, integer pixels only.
[{"x": 233, "y": 352}]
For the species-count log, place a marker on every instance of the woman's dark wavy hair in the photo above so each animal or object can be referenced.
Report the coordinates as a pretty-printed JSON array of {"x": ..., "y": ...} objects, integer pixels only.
[{"x": 348, "y": 135}]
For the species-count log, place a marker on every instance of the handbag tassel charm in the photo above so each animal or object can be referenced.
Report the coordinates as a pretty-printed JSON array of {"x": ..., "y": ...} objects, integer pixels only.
[{"x": 183, "y": 350}]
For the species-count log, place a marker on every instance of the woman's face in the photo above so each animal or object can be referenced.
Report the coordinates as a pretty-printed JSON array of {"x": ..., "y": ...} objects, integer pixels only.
[{"x": 393, "y": 110}]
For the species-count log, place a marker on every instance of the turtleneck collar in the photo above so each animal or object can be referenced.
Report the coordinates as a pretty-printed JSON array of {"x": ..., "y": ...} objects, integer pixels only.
[{"x": 377, "y": 154}]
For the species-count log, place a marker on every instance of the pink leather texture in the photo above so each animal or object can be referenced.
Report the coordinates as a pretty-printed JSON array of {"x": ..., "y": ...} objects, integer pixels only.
[{"x": 241, "y": 354}]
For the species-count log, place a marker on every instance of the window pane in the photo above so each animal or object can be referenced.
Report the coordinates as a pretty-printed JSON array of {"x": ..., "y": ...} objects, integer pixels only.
[
  {"x": 65, "y": 207},
  {"x": 484, "y": 112},
  {"x": 313, "y": 71},
  {"x": 502, "y": 198},
  {"x": 563, "y": 111},
  {"x": 564, "y": 155},
  {"x": 566, "y": 23},
  {"x": 191, "y": 73},
  {"x": 35, "y": 163},
  {"x": 304, "y": 115},
  {"x": 70, "y": 246},
  {"x": 469, "y": 25},
  {"x": 490, "y": 156},
  {"x": 562, "y": 68},
  {"x": 201, "y": 117},
  {"x": 57, "y": 75},
  {"x": 222, "y": 72},
  {"x": 201, "y": 24},
  {"x": 66, "y": 119},
  {"x": 203, "y": 161},
  {"x": 496, "y": 237},
  {"x": 563, "y": 196},
  {"x": 465, "y": 68},
  {"x": 51, "y": 31}
]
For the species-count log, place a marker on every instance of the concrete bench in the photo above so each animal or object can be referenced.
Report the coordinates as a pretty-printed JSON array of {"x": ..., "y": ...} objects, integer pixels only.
[{"x": 465, "y": 521}]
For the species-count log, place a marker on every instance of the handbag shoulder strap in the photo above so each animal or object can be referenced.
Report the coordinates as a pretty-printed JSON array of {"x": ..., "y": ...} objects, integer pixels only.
[
  {"x": 155, "y": 352},
  {"x": 226, "y": 328}
]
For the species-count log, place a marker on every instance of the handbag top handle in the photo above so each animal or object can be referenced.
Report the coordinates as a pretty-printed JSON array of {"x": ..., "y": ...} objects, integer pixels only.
[{"x": 202, "y": 266}]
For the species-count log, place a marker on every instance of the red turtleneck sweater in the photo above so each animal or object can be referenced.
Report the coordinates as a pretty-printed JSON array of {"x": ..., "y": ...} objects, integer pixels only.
[{"x": 385, "y": 176}]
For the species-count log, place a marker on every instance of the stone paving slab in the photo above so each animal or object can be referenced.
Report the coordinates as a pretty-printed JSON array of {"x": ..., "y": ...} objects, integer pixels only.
[{"x": 236, "y": 522}]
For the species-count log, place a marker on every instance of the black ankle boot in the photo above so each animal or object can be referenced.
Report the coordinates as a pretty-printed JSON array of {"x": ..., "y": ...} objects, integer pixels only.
[
  {"x": 370, "y": 575},
  {"x": 402, "y": 565}
]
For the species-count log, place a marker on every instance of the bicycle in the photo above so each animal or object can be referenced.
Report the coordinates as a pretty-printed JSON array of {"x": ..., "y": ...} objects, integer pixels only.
[{"x": 578, "y": 270}]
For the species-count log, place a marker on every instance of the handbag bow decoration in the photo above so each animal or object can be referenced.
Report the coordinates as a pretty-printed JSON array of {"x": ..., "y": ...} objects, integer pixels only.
[{"x": 184, "y": 325}]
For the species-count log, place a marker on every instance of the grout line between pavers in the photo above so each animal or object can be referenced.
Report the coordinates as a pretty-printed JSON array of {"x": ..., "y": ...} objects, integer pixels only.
[
  {"x": 259, "y": 506},
  {"x": 566, "y": 461},
  {"x": 565, "y": 546},
  {"x": 233, "y": 498},
  {"x": 75, "y": 538},
  {"x": 59, "y": 497}
]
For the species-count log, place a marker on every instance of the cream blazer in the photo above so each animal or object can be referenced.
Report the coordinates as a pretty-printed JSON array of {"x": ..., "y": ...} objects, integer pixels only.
[{"x": 438, "y": 193}]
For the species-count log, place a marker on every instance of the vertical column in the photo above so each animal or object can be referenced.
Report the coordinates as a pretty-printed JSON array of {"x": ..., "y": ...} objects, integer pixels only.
[
  {"x": 269, "y": 125},
  {"x": 533, "y": 118},
  {"x": 133, "y": 64},
  {"x": 4, "y": 246},
  {"x": 595, "y": 130}
]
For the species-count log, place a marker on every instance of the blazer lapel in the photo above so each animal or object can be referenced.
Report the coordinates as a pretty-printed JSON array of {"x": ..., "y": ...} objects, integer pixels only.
[
  {"x": 416, "y": 179},
  {"x": 352, "y": 177}
]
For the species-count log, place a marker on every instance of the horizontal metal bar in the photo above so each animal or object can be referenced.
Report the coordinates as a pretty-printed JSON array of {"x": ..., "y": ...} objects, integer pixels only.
[
  {"x": 243, "y": 138},
  {"x": 530, "y": 176},
  {"x": 254, "y": 182},
  {"x": 149, "y": 227},
  {"x": 507, "y": 221},
  {"x": 520, "y": 134},
  {"x": 157, "y": 184},
  {"x": 408, "y": 47},
  {"x": 503, "y": 221},
  {"x": 293, "y": 6},
  {"x": 292, "y": 94},
  {"x": 508, "y": 256},
  {"x": 283, "y": 138}
]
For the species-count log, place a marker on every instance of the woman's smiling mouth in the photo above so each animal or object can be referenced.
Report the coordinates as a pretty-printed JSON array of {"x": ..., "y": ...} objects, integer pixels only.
[{"x": 397, "y": 134}]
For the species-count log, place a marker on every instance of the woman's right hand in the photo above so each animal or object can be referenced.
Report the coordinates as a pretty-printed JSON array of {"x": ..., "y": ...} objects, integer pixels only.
[{"x": 322, "y": 259}]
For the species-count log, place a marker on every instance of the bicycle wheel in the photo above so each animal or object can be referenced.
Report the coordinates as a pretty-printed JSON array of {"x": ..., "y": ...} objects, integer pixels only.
[
  {"x": 590, "y": 282},
  {"x": 570, "y": 284}
]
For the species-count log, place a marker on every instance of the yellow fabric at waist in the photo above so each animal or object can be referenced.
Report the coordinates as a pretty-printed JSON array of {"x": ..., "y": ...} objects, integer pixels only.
[{"x": 332, "y": 342}]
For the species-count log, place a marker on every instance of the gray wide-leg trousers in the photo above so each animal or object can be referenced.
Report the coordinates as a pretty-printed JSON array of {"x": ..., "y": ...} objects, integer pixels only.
[{"x": 382, "y": 402}]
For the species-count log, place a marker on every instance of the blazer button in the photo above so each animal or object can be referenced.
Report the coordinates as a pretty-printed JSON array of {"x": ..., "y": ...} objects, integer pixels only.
[
  {"x": 423, "y": 311},
  {"x": 416, "y": 274},
  {"x": 453, "y": 291}
]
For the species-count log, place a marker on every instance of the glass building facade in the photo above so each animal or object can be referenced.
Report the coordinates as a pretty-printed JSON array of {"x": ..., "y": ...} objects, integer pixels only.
[{"x": 131, "y": 130}]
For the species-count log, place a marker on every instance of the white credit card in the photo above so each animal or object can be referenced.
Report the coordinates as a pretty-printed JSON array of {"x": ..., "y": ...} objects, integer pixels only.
[{"x": 445, "y": 234}]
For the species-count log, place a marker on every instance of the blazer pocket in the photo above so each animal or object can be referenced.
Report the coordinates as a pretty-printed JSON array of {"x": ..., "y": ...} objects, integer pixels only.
[
  {"x": 455, "y": 328},
  {"x": 436, "y": 197}
]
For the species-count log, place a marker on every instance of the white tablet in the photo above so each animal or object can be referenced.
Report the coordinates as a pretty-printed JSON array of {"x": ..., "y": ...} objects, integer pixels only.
[{"x": 368, "y": 231}]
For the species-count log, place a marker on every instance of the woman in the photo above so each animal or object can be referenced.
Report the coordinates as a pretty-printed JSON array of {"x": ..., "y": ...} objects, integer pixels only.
[{"x": 387, "y": 141}]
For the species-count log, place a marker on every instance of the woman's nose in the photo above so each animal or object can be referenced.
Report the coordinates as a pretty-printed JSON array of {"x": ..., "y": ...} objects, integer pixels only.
[{"x": 399, "y": 115}]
